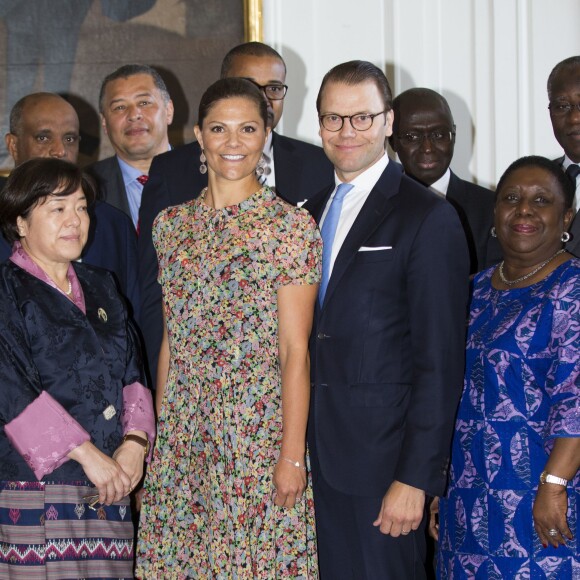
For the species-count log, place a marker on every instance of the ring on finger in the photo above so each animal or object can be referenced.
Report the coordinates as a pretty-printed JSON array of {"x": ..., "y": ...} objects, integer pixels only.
[
  {"x": 405, "y": 532},
  {"x": 553, "y": 532}
]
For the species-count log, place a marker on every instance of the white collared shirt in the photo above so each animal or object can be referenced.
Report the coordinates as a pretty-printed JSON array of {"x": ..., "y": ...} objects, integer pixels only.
[
  {"x": 269, "y": 169},
  {"x": 442, "y": 184},
  {"x": 353, "y": 203},
  {"x": 567, "y": 162}
]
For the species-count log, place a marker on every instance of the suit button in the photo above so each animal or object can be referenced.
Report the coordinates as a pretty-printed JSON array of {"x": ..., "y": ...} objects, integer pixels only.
[{"x": 321, "y": 336}]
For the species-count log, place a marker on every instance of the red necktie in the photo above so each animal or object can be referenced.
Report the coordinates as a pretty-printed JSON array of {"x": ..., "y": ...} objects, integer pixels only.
[{"x": 142, "y": 179}]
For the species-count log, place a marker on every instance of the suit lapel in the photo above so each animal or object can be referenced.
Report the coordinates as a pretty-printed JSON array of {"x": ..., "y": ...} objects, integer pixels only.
[
  {"x": 573, "y": 246},
  {"x": 286, "y": 166},
  {"x": 374, "y": 211}
]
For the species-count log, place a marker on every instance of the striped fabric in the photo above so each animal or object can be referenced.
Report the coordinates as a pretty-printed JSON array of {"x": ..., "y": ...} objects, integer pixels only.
[{"x": 47, "y": 531}]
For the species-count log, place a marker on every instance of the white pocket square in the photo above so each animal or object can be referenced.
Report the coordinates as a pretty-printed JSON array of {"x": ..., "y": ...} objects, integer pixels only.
[{"x": 374, "y": 248}]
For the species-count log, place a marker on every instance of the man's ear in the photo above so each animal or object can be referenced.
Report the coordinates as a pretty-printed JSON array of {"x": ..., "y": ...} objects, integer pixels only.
[{"x": 11, "y": 141}]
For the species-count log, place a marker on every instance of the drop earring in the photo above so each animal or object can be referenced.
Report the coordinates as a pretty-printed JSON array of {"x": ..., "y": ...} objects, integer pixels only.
[
  {"x": 565, "y": 237},
  {"x": 203, "y": 166},
  {"x": 492, "y": 232},
  {"x": 261, "y": 166}
]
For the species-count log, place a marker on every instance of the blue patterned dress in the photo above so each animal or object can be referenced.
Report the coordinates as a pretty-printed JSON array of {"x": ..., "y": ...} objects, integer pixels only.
[{"x": 521, "y": 391}]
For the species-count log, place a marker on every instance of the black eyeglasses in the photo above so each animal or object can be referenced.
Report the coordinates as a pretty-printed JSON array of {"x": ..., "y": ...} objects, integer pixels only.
[
  {"x": 273, "y": 92},
  {"x": 414, "y": 139},
  {"x": 359, "y": 122},
  {"x": 561, "y": 109}
]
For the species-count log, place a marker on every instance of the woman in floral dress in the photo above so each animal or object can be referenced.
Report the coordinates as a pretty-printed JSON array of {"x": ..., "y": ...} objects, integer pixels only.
[{"x": 227, "y": 494}]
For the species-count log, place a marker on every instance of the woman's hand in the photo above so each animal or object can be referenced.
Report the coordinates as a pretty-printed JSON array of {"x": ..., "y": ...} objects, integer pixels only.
[
  {"x": 112, "y": 483},
  {"x": 129, "y": 455},
  {"x": 289, "y": 482},
  {"x": 434, "y": 519},
  {"x": 549, "y": 512}
]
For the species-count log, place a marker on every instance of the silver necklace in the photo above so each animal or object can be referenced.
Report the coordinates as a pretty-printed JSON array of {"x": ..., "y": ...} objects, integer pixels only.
[{"x": 529, "y": 274}]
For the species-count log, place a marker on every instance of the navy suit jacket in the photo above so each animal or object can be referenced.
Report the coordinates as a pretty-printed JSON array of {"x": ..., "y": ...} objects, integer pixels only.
[
  {"x": 474, "y": 205},
  {"x": 387, "y": 347},
  {"x": 301, "y": 170},
  {"x": 573, "y": 246},
  {"x": 109, "y": 177}
]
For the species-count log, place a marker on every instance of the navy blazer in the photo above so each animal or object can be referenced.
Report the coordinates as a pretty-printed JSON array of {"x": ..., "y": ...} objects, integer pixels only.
[
  {"x": 111, "y": 186},
  {"x": 474, "y": 205},
  {"x": 301, "y": 170},
  {"x": 387, "y": 347}
]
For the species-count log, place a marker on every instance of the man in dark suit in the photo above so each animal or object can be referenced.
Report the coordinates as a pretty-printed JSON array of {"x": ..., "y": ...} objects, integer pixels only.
[
  {"x": 296, "y": 169},
  {"x": 387, "y": 343},
  {"x": 45, "y": 125},
  {"x": 424, "y": 139},
  {"x": 136, "y": 111},
  {"x": 564, "y": 97}
]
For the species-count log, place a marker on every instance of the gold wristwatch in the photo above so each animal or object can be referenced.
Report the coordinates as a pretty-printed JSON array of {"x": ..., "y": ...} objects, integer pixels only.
[
  {"x": 546, "y": 477},
  {"x": 144, "y": 441}
]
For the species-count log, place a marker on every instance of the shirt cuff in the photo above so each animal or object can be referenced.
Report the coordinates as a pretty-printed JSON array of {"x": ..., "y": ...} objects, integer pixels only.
[
  {"x": 44, "y": 434},
  {"x": 138, "y": 414}
]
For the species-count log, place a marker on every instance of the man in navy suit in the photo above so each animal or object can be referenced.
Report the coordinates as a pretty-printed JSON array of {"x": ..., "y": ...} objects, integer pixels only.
[
  {"x": 564, "y": 97},
  {"x": 387, "y": 345},
  {"x": 136, "y": 111},
  {"x": 296, "y": 169},
  {"x": 424, "y": 139},
  {"x": 45, "y": 125}
]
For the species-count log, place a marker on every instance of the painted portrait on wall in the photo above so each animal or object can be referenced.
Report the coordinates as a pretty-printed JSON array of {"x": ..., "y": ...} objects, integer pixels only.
[{"x": 68, "y": 47}]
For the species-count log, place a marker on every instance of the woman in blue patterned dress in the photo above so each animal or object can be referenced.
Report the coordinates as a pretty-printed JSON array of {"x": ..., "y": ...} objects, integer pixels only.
[{"x": 511, "y": 510}]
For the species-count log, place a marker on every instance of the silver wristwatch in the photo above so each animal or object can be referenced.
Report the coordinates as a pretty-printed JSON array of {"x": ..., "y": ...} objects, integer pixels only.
[{"x": 546, "y": 477}]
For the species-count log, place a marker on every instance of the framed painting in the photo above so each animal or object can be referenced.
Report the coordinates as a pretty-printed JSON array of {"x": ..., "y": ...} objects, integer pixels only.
[{"x": 69, "y": 47}]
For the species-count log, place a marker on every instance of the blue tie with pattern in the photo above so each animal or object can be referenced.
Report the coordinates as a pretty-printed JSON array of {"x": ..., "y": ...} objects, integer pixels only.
[{"x": 328, "y": 232}]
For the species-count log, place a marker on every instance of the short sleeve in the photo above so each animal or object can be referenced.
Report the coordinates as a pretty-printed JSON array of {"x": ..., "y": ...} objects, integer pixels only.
[
  {"x": 563, "y": 379},
  {"x": 299, "y": 255}
]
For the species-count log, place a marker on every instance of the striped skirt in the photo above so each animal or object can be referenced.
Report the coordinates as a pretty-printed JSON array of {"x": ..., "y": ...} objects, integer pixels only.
[{"x": 48, "y": 531}]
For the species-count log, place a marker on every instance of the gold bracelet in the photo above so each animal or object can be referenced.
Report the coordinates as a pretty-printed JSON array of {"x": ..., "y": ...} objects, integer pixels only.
[{"x": 294, "y": 463}]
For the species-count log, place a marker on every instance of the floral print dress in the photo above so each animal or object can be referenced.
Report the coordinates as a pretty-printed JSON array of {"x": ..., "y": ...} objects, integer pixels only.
[
  {"x": 522, "y": 387},
  {"x": 208, "y": 508}
]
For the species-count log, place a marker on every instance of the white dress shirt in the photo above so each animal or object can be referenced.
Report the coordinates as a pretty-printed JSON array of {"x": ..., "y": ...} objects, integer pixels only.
[
  {"x": 269, "y": 172},
  {"x": 353, "y": 202},
  {"x": 442, "y": 184}
]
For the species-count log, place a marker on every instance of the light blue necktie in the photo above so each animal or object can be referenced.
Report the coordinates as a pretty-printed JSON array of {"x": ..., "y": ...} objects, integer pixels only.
[{"x": 328, "y": 232}]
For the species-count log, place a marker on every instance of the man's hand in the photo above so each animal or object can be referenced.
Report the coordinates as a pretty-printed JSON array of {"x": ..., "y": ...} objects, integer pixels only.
[{"x": 401, "y": 510}]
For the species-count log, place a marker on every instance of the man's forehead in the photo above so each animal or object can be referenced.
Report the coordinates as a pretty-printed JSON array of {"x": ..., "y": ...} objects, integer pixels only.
[
  {"x": 567, "y": 79},
  {"x": 251, "y": 66},
  {"x": 45, "y": 115},
  {"x": 141, "y": 84}
]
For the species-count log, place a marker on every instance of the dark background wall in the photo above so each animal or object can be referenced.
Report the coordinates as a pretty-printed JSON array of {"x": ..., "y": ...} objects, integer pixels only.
[{"x": 69, "y": 46}]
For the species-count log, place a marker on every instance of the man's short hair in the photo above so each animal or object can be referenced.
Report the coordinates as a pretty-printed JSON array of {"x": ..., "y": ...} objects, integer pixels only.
[
  {"x": 248, "y": 49},
  {"x": 568, "y": 63},
  {"x": 18, "y": 109},
  {"x": 356, "y": 72},
  {"x": 130, "y": 70}
]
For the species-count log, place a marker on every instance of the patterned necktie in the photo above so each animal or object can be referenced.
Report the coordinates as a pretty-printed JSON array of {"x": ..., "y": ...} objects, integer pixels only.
[
  {"x": 142, "y": 179},
  {"x": 328, "y": 232},
  {"x": 573, "y": 171}
]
